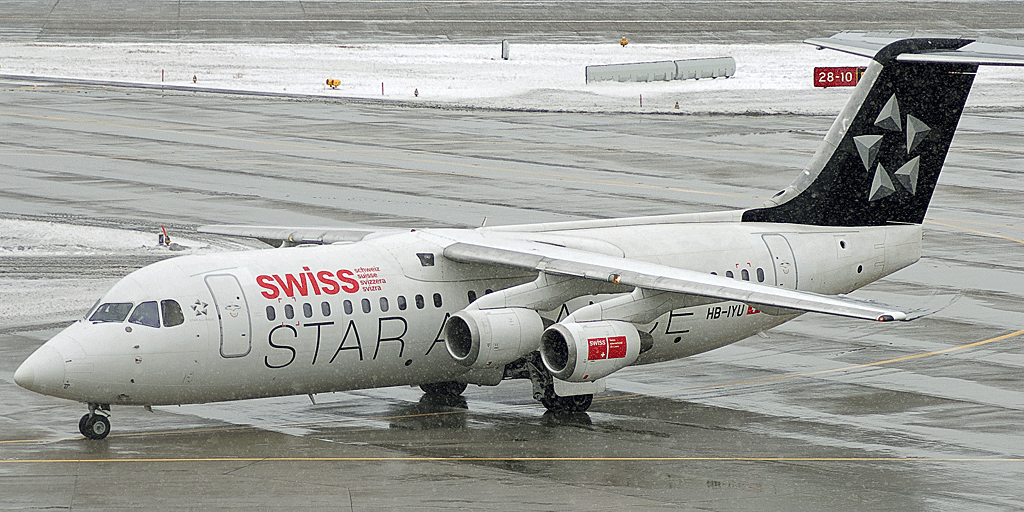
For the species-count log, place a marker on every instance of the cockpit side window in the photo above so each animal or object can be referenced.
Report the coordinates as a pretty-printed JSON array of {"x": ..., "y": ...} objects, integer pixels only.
[
  {"x": 111, "y": 312},
  {"x": 146, "y": 314},
  {"x": 172, "y": 313},
  {"x": 93, "y": 308}
]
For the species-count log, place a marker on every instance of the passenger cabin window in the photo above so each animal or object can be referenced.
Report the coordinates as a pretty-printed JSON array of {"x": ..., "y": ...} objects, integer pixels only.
[
  {"x": 172, "y": 313},
  {"x": 401, "y": 303},
  {"x": 111, "y": 312},
  {"x": 419, "y": 302},
  {"x": 325, "y": 308},
  {"x": 472, "y": 296},
  {"x": 348, "y": 307},
  {"x": 745, "y": 275},
  {"x": 384, "y": 304},
  {"x": 728, "y": 273},
  {"x": 760, "y": 275},
  {"x": 307, "y": 310},
  {"x": 146, "y": 314},
  {"x": 366, "y": 305},
  {"x": 271, "y": 313},
  {"x": 437, "y": 300},
  {"x": 289, "y": 311}
]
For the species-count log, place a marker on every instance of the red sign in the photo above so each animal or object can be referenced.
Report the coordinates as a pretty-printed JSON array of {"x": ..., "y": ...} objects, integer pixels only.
[
  {"x": 612, "y": 347},
  {"x": 837, "y": 77},
  {"x": 616, "y": 347}
]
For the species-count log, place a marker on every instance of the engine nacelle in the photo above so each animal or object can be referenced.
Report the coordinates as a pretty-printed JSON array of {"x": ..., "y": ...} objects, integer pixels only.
[
  {"x": 585, "y": 352},
  {"x": 485, "y": 338}
]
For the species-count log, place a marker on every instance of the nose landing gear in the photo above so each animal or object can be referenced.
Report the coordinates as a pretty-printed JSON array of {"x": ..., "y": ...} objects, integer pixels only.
[{"x": 95, "y": 425}]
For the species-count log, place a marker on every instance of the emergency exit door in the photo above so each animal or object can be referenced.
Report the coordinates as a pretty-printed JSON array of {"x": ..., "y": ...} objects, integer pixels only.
[
  {"x": 783, "y": 261},
  {"x": 232, "y": 315}
]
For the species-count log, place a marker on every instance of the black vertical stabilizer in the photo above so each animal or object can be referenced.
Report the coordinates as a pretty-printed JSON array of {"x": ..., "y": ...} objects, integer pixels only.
[{"x": 881, "y": 159}]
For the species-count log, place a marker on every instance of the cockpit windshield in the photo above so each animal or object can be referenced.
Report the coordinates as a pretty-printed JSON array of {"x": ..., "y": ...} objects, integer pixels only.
[
  {"x": 146, "y": 314},
  {"x": 111, "y": 312}
]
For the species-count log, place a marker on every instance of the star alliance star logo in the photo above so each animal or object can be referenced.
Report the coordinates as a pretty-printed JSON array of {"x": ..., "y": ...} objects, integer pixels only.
[
  {"x": 199, "y": 307},
  {"x": 889, "y": 119}
]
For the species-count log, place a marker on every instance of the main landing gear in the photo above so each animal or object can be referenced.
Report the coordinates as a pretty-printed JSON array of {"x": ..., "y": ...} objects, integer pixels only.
[
  {"x": 567, "y": 404},
  {"x": 531, "y": 367},
  {"x": 448, "y": 389},
  {"x": 444, "y": 394},
  {"x": 95, "y": 425}
]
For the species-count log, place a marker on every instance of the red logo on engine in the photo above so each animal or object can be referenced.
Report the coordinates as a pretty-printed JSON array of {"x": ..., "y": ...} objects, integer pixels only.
[
  {"x": 598, "y": 349},
  {"x": 612, "y": 347},
  {"x": 616, "y": 347}
]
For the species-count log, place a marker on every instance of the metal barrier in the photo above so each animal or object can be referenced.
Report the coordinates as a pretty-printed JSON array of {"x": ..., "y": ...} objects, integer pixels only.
[{"x": 663, "y": 70}]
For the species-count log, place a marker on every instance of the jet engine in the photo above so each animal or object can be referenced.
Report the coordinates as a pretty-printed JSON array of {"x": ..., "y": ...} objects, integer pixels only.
[
  {"x": 587, "y": 351},
  {"x": 486, "y": 338}
]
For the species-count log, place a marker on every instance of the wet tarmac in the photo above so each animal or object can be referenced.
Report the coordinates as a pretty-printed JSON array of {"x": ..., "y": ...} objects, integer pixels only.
[
  {"x": 824, "y": 413},
  {"x": 534, "y": 21}
]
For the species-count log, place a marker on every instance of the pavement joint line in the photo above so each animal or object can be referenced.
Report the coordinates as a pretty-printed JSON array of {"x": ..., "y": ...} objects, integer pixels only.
[
  {"x": 518, "y": 459},
  {"x": 834, "y": 370},
  {"x": 456, "y": 161},
  {"x": 975, "y": 231},
  {"x": 1007, "y": 226}
]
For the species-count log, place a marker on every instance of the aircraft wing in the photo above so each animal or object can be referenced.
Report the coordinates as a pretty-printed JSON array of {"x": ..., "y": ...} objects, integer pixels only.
[
  {"x": 287, "y": 236},
  {"x": 976, "y": 50},
  {"x": 564, "y": 261}
]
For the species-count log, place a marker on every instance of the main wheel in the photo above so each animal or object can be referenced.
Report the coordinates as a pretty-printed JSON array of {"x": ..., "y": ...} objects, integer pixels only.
[
  {"x": 444, "y": 389},
  {"x": 568, "y": 404},
  {"x": 94, "y": 426}
]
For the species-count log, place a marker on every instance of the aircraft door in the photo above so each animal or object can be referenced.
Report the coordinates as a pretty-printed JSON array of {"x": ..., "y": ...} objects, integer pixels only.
[
  {"x": 783, "y": 261},
  {"x": 232, "y": 314}
]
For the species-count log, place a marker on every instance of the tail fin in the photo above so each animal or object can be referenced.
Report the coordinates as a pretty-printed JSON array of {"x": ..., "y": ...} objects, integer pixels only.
[{"x": 880, "y": 161}]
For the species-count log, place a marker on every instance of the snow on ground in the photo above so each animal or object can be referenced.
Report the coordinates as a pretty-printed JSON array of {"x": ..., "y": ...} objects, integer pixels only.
[
  {"x": 35, "y": 238},
  {"x": 32, "y": 300},
  {"x": 770, "y": 78},
  {"x": 41, "y": 301}
]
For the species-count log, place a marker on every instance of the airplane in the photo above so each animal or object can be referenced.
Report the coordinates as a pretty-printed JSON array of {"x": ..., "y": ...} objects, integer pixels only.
[{"x": 562, "y": 304}]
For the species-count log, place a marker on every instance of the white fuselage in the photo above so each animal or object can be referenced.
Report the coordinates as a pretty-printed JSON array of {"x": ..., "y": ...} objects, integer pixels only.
[{"x": 370, "y": 313}]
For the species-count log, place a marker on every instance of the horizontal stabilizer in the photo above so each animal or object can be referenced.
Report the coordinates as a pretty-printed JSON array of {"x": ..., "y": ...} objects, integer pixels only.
[{"x": 989, "y": 51}]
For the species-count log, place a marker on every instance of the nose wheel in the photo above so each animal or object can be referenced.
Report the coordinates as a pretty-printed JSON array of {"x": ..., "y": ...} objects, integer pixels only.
[{"x": 95, "y": 425}]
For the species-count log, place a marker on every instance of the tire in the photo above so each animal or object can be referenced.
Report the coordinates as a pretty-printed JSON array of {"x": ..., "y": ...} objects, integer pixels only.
[
  {"x": 82, "y": 425},
  {"x": 444, "y": 389},
  {"x": 568, "y": 404},
  {"x": 97, "y": 427}
]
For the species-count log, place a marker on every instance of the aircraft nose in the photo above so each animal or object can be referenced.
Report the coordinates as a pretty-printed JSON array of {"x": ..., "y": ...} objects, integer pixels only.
[{"x": 42, "y": 372}]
